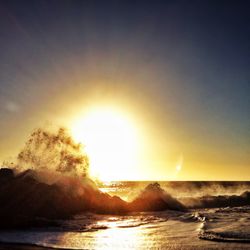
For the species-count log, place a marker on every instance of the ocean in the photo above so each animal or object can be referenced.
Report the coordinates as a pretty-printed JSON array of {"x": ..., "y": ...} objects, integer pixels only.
[{"x": 222, "y": 227}]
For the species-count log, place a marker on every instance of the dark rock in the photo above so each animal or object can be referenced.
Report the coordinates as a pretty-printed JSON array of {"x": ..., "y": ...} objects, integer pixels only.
[
  {"x": 27, "y": 202},
  {"x": 6, "y": 174},
  {"x": 154, "y": 198}
]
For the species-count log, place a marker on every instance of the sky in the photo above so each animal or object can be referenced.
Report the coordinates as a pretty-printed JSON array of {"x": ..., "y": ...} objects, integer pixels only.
[{"x": 179, "y": 69}]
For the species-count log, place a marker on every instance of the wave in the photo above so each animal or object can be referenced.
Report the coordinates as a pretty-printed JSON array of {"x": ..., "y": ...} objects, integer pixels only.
[
  {"x": 26, "y": 201},
  {"x": 204, "y": 188},
  {"x": 55, "y": 151},
  {"x": 224, "y": 237},
  {"x": 57, "y": 187},
  {"x": 154, "y": 198},
  {"x": 225, "y": 225},
  {"x": 210, "y": 201}
]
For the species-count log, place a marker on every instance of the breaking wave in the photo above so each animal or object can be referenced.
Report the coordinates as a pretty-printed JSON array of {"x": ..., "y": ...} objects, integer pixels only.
[
  {"x": 49, "y": 184},
  {"x": 49, "y": 181},
  {"x": 226, "y": 225},
  {"x": 53, "y": 151},
  {"x": 210, "y": 201}
]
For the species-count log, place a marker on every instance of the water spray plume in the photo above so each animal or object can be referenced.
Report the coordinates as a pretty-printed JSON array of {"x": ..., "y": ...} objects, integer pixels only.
[{"x": 53, "y": 151}]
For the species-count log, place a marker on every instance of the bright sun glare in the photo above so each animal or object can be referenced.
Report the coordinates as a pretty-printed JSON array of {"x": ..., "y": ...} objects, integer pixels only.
[{"x": 110, "y": 140}]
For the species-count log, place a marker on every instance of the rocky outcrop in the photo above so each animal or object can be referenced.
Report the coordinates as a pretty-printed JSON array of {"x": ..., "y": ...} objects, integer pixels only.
[
  {"x": 154, "y": 198},
  {"x": 26, "y": 201}
]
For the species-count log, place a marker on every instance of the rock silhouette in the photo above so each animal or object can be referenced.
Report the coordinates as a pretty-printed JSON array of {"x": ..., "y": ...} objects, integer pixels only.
[{"x": 26, "y": 201}]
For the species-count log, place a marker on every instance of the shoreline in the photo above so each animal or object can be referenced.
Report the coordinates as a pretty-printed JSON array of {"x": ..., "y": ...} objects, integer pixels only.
[{"x": 19, "y": 246}]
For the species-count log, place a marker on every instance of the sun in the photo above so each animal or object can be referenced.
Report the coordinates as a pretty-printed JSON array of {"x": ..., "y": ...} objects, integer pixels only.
[{"x": 111, "y": 142}]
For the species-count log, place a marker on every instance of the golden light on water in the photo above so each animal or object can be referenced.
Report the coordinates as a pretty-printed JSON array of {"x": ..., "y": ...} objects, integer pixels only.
[
  {"x": 111, "y": 141},
  {"x": 112, "y": 238}
]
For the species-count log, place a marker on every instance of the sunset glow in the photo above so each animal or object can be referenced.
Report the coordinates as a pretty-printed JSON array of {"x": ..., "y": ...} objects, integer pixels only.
[
  {"x": 131, "y": 84},
  {"x": 111, "y": 141}
]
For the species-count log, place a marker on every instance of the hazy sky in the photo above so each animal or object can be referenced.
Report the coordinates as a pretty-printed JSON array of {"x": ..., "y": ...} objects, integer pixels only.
[{"x": 180, "y": 68}]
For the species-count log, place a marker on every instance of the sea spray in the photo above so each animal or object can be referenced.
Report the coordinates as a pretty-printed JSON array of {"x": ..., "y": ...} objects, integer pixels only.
[{"x": 53, "y": 151}]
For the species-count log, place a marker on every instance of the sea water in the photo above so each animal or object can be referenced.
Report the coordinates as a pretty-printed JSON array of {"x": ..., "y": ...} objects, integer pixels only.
[{"x": 206, "y": 228}]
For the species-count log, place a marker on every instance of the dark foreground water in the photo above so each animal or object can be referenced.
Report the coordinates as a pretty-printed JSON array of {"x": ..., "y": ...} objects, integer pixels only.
[{"x": 206, "y": 228}]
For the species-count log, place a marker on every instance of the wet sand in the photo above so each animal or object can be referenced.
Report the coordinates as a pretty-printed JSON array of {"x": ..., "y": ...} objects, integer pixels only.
[
  {"x": 171, "y": 247},
  {"x": 20, "y": 247}
]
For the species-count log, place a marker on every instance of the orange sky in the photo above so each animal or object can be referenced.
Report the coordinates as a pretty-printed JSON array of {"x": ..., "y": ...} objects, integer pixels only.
[{"x": 178, "y": 74}]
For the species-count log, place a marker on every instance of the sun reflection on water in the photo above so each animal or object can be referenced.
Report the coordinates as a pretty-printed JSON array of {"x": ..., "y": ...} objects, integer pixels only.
[
  {"x": 112, "y": 233},
  {"x": 111, "y": 238},
  {"x": 118, "y": 238}
]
